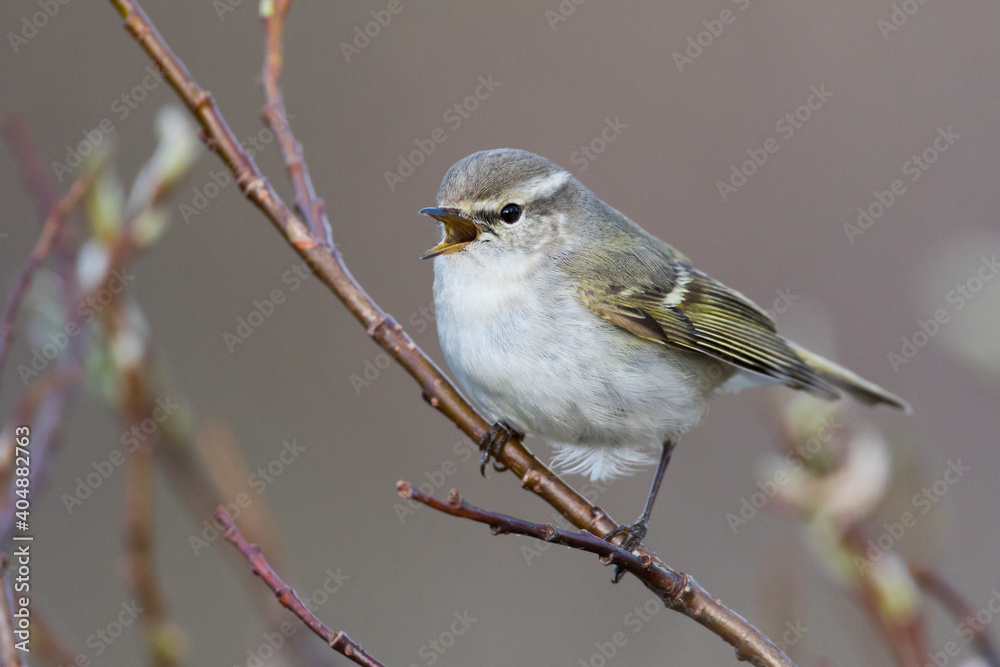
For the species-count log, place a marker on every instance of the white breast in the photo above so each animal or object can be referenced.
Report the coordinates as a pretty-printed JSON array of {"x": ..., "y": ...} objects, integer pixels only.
[{"x": 529, "y": 353}]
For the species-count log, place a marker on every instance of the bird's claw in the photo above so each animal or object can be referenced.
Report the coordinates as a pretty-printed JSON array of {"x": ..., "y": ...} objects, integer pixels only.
[
  {"x": 492, "y": 444},
  {"x": 633, "y": 536}
]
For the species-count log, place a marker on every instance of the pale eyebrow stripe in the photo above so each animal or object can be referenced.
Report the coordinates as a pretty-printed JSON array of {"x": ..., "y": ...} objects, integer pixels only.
[
  {"x": 536, "y": 190},
  {"x": 545, "y": 185}
]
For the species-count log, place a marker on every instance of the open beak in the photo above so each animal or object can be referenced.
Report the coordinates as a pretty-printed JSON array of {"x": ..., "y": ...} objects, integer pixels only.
[{"x": 459, "y": 231}]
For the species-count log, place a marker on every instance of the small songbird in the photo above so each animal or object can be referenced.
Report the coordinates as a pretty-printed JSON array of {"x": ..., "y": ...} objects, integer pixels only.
[{"x": 564, "y": 319}]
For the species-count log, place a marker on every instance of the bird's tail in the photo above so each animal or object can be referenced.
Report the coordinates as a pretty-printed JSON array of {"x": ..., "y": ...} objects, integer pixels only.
[{"x": 852, "y": 383}]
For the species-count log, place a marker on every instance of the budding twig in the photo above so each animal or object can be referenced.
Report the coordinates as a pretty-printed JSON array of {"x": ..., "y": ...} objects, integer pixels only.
[
  {"x": 309, "y": 205},
  {"x": 54, "y": 221},
  {"x": 34, "y": 170},
  {"x": 503, "y": 524},
  {"x": 45, "y": 402},
  {"x": 338, "y": 641}
]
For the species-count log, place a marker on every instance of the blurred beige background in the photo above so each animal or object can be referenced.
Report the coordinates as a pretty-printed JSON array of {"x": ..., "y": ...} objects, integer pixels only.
[{"x": 555, "y": 85}]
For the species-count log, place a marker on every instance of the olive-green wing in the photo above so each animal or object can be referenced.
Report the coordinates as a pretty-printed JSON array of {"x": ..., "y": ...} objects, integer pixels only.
[{"x": 654, "y": 294}]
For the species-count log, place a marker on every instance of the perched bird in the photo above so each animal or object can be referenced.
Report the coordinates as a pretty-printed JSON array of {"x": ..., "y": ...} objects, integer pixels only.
[{"x": 564, "y": 319}]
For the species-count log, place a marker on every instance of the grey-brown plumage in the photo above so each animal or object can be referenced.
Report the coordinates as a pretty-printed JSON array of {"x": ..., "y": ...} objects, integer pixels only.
[{"x": 563, "y": 318}]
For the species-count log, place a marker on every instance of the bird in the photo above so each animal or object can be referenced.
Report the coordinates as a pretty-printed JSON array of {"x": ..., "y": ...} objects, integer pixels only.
[{"x": 564, "y": 319}]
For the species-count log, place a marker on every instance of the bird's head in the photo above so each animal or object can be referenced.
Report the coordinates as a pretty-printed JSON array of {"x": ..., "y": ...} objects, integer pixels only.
[{"x": 503, "y": 201}]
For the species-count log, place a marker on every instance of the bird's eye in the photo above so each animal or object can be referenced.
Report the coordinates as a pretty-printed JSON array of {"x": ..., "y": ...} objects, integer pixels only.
[{"x": 510, "y": 213}]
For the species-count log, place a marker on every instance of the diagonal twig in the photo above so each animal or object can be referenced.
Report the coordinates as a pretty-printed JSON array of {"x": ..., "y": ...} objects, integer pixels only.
[
  {"x": 338, "y": 641},
  {"x": 328, "y": 265},
  {"x": 937, "y": 587},
  {"x": 677, "y": 590},
  {"x": 503, "y": 524},
  {"x": 309, "y": 205},
  {"x": 34, "y": 171},
  {"x": 51, "y": 397},
  {"x": 140, "y": 510},
  {"x": 54, "y": 221}
]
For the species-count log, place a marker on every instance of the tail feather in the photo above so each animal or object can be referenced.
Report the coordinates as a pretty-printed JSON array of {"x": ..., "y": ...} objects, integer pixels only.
[{"x": 850, "y": 382}]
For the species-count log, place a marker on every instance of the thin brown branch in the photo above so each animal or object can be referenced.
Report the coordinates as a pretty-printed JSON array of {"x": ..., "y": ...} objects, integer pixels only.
[
  {"x": 937, "y": 587},
  {"x": 676, "y": 590},
  {"x": 503, "y": 524},
  {"x": 229, "y": 470},
  {"x": 140, "y": 511},
  {"x": 25, "y": 413},
  {"x": 137, "y": 405},
  {"x": 41, "y": 406},
  {"x": 44, "y": 193},
  {"x": 194, "y": 467},
  {"x": 34, "y": 172},
  {"x": 751, "y": 645},
  {"x": 338, "y": 641},
  {"x": 191, "y": 485},
  {"x": 904, "y": 634},
  {"x": 54, "y": 220},
  {"x": 308, "y": 204},
  {"x": 46, "y": 418}
]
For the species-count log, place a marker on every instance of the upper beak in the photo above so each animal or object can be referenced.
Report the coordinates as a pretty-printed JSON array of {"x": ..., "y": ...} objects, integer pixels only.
[{"x": 459, "y": 231}]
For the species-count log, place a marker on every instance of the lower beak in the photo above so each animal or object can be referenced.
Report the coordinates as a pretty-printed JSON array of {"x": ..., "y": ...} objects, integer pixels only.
[{"x": 459, "y": 231}]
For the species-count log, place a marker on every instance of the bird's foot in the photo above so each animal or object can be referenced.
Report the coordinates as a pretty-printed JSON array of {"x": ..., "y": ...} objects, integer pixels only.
[
  {"x": 633, "y": 536},
  {"x": 492, "y": 444}
]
